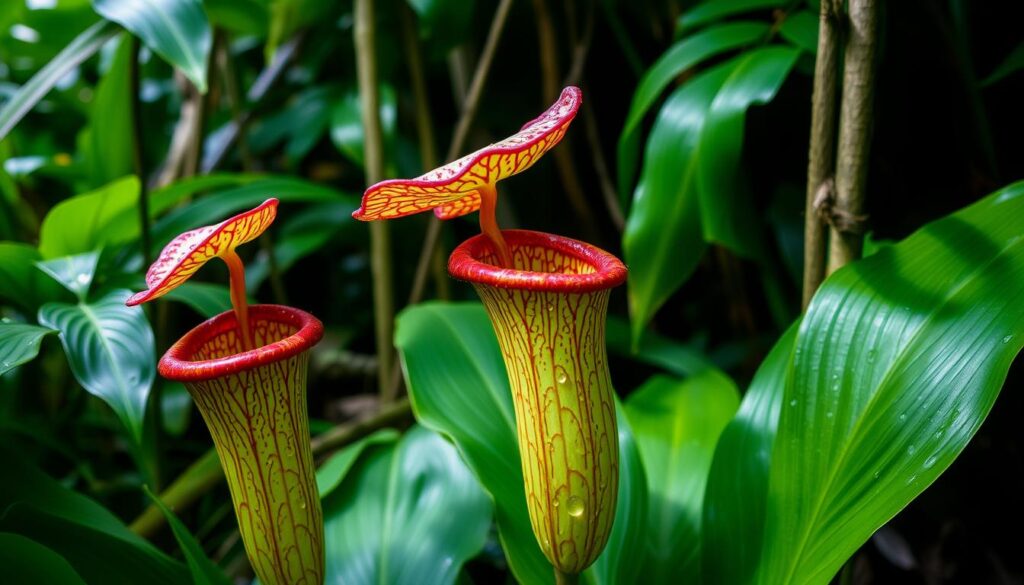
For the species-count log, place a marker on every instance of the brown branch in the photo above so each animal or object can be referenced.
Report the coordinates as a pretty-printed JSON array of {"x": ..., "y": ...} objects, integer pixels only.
[
  {"x": 854, "y": 131},
  {"x": 822, "y": 147}
]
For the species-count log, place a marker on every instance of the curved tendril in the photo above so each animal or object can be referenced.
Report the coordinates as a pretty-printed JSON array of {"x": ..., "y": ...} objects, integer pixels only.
[
  {"x": 238, "y": 300},
  {"x": 489, "y": 225}
]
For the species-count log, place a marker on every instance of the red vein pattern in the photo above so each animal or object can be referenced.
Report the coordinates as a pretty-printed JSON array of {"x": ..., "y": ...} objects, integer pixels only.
[
  {"x": 451, "y": 190},
  {"x": 254, "y": 404},
  {"x": 187, "y": 253},
  {"x": 552, "y": 339}
]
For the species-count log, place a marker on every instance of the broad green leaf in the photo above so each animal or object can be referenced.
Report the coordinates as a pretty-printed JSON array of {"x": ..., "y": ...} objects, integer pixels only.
[
  {"x": 94, "y": 542},
  {"x": 662, "y": 241},
  {"x": 86, "y": 222},
  {"x": 1013, "y": 62},
  {"x": 175, "y": 408},
  {"x": 300, "y": 124},
  {"x": 737, "y": 485},
  {"x": 177, "y": 30},
  {"x": 302, "y": 234},
  {"x": 677, "y": 424},
  {"x": 19, "y": 343},
  {"x": 347, "y": 123},
  {"x": 110, "y": 131},
  {"x": 74, "y": 273},
  {"x": 680, "y": 57},
  {"x": 410, "y": 512},
  {"x": 713, "y": 10},
  {"x": 21, "y": 283},
  {"x": 458, "y": 387},
  {"x": 801, "y": 29},
  {"x": 897, "y": 362},
  {"x": 111, "y": 351},
  {"x": 725, "y": 203},
  {"x": 28, "y": 95},
  {"x": 336, "y": 468},
  {"x": 31, "y": 562},
  {"x": 204, "y": 571},
  {"x": 690, "y": 165}
]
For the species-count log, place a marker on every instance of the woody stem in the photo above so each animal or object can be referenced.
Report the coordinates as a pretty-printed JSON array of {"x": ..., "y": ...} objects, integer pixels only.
[
  {"x": 489, "y": 225},
  {"x": 238, "y": 300}
]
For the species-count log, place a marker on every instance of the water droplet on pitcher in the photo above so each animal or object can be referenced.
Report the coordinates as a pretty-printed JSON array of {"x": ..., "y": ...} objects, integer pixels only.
[
  {"x": 575, "y": 507},
  {"x": 551, "y": 308},
  {"x": 562, "y": 378},
  {"x": 302, "y": 504}
]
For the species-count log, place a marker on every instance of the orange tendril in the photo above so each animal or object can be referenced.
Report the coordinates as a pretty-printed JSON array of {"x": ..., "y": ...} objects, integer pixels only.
[{"x": 489, "y": 224}]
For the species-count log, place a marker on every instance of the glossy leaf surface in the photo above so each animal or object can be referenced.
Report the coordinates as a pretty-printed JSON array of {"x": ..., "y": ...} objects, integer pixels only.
[
  {"x": 111, "y": 351},
  {"x": 21, "y": 282},
  {"x": 204, "y": 571},
  {"x": 897, "y": 362},
  {"x": 677, "y": 424},
  {"x": 19, "y": 343},
  {"x": 737, "y": 484},
  {"x": 712, "y": 10},
  {"x": 89, "y": 221},
  {"x": 74, "y": 273},
  {"x": 680, "y": 57},
  {"x": 31, "y": 562},
  {"x": 110, "y": 141},
  {"x": 177, "y": 30},
  {"x": 404, "y": 512},
  {"x": 458, "y": 386}
]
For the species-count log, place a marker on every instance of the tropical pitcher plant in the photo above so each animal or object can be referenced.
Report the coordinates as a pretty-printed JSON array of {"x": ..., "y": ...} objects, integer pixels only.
[
  {"x": 547, "y": 299},
  {"x": 246, "y": 371}
]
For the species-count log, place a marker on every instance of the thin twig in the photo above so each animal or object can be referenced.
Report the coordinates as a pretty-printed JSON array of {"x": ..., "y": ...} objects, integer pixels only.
[
  {"x": 373, "y": 152},
  {"x": 206, "y": 472},
  {"x": 611, "y": 198},
  {"x": 821, "y": 158},
  {"x": 854, "y": 132}
]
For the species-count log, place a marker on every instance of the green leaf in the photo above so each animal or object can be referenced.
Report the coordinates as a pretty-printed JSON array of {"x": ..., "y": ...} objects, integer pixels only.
[
  {"x": 677, "y": 424},
  {"x": 74, "y": 273},
  {"x": 443, "y": 24},
  {"x": 111, "y": 351},
  {"x": 801, "y": 29},
  {"x": 898, "y": 360},
  {"x": 725, "y": 203},
  {"x": 737, "y": 485},
  {"x": 110, "y": 132},
  {"x": 347, "y": 123},
  {"x": 242, "y": 17},
  {"x": 28, "y": 95},
  {"x": 21, "y": 283},
  {"x": 300, "y": 124},
  {"x": 175, "y": 408},
  {"x": 98, "y": 546},
  {"x": 90, "y": 221},
  {"x": 653, "y": 349},
  {"x": 458, "y": 387},
  {"x": 713, "y": 10},
  {"x": 410, "y": 512},
  {"x": 680, "y": 57},
  {"x": 690, "y": 166},
  {"x": 662, "y": 241},
  {"x": 335, "y": 469},
  {"x": 32, "y": 562},
  {"x": 19, "y": 343},
  {"x": 288, "y": 16},
  {"x": 204, "y": 571},
  {"x": 1013, "y": 62},
  {"x": 177, "y": 30}
]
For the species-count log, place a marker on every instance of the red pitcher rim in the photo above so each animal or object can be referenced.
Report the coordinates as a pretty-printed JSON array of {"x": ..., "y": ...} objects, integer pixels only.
[
  {"x": 465, "y": 264},
  {"x": 177, "y": 365}
]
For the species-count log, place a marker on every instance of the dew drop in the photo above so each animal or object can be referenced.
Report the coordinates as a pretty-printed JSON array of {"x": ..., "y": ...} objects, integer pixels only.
[
  {"x": 878, "y": 474},
  {"x": 828, "y": 414},
  {"x": 84, "y": 279},
  {"x": 930, "y": 462},
  {"x": 575, "y": 507},
  {"x": 903, "y": 417},
  {"x": 911, "y": 450},
  {"x": 871, "y": 356},
  {"x": 792, "y": 402},
  {"x": 912, "y": 479},
  {"x": 1008, "y": 339}
]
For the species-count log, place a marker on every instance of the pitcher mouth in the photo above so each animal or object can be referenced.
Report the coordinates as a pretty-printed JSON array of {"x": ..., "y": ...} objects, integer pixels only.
[
  {"x": 179, "y": 364},
  {"x": 587, "y": 268}
]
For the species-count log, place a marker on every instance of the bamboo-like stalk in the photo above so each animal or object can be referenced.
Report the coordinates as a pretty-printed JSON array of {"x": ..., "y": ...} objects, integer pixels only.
[
  {"x": 136, "y": 118},
  {"x": 380, "y": 240},
  {"x": 821, "y": 159},
  {"x": 847, "y": 238}
]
